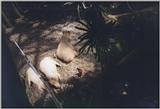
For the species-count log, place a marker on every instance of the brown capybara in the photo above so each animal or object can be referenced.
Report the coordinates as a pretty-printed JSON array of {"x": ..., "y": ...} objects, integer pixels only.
[{"x": 65, "y": 50}]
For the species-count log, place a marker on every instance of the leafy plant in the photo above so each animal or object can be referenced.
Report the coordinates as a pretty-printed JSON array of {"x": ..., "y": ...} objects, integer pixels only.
[{"x": 99, "y": 35}]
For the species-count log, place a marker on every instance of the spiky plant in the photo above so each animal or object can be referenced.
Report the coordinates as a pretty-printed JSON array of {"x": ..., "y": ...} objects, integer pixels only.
[{"x": 99, "y": 35}]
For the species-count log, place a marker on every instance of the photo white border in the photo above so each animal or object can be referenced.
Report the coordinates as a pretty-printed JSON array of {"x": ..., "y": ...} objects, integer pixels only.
[{"x": 62, "y": 1}]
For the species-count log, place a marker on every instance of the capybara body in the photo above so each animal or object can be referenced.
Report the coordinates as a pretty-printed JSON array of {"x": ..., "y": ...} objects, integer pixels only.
[
  {"x": 65, "y": 50},
  {"x": 48, "y": 66},
  {"x": 34, "y": 78}
]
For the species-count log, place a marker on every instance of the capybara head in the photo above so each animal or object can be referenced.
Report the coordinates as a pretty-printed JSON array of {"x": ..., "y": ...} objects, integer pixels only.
[
  {"x": 55, "y": 82},
  {"x": 67, "y": 35}
]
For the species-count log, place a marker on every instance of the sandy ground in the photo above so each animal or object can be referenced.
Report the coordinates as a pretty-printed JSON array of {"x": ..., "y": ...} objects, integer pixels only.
[{"x": 41, "y": 40}]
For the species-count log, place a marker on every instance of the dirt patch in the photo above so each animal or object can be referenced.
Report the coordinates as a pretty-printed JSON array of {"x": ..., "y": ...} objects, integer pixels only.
[{"x": 44, "y": 44}]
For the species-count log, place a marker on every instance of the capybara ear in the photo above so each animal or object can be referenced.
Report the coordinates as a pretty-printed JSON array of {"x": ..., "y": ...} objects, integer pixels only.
[
  {"x": 66, "y": 32},
  {"x": 57, "y": 64}
]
